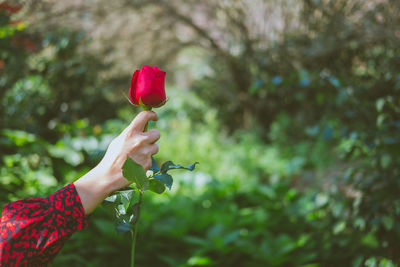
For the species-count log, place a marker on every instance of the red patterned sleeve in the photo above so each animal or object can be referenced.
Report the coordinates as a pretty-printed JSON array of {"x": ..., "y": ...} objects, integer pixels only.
[{"x": 33, "y": 230}]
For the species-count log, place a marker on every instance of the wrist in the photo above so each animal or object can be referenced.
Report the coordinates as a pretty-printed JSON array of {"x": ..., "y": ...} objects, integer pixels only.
[{"x": 96, "y": 185}]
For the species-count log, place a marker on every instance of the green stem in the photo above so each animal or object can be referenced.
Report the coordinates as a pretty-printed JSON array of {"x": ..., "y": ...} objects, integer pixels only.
[
  {"x": 146, "y": 108},
  {"x": 134, "y": 232}
]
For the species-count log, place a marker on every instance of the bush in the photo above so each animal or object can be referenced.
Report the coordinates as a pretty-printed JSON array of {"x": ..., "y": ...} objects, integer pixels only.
[{"x": 303, "y": 171}]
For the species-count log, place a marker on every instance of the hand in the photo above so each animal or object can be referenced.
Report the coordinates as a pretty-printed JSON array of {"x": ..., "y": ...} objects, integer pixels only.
[
  {"x": 107, "y": 176},
  {"x": 132, "y": 142}
]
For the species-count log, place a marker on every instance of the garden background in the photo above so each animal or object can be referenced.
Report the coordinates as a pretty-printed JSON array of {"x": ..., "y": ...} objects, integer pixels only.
[{"x": 291, "y": 107}]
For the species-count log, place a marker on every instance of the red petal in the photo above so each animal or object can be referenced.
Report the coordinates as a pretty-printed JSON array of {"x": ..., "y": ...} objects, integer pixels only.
[
  {"x": 149, "y": 87},
  {"x": 132, "y": 90},
  {"x": 156, "y": 96},
  {"x": 150, "y": 68}
]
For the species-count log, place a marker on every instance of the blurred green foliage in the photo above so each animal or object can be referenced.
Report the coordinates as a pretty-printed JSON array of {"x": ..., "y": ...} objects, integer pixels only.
[{"x": 302, "y": 171}]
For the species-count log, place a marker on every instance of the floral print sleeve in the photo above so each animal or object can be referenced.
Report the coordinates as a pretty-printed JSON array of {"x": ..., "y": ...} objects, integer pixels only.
[{"x": 32, "y": 231}]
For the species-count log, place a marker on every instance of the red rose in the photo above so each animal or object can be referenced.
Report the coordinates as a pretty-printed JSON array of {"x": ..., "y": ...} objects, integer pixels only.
[{"x": 147, "y": 87}]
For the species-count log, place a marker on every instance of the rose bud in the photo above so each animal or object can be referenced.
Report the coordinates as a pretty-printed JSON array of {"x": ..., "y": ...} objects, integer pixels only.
[{"x": 147, "y": 87}]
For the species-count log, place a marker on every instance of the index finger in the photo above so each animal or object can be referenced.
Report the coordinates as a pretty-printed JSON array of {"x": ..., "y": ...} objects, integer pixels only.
[{"x": 140, "y": 121}]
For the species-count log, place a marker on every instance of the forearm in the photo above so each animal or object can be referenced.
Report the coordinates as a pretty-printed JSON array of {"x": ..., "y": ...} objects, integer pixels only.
[{"x": 96, "y": 185}]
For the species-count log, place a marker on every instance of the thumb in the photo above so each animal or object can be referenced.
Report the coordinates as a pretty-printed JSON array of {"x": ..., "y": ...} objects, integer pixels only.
[{"x": 139, "y": 122}]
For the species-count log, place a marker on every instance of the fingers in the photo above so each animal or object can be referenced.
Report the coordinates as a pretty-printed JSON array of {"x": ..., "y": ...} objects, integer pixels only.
[
  {"x": 153, "y": 149},
  {"x": 139, "y": 145},
  {"x": 148, "y": 151},
  {"x": 144, "y": 156},
  {"x": 147, "y": 165},
  {"x": 152, "y": 136},
  {"x": 140, "y": 121}
]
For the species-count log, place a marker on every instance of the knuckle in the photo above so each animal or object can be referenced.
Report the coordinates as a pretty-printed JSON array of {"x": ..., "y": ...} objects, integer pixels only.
[
  {"x": 143, "y": 139},
  {"x": 126, "y": 137},
  {"x": 147, "y": 152},
  {"x": 146, "y": 139}
]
